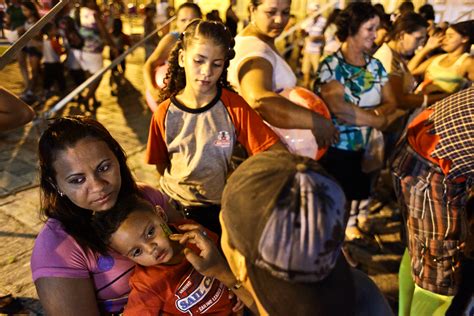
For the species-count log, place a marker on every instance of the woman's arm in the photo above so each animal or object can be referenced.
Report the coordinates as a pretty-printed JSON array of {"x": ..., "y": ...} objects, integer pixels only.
[
  {"x": 333, "y": 94},
  {"x": 421, "y": 69},
  {"x": 389, "y": 101},
  {"x": 408, "y": 101},
  {"x": 414, "y": 65},
  {"x": 13, "y": 112},
  {"x": 255, "y": 78},
  {"x": 157, "y": 58},
  {"x": 67, "y": 296},
  {"x": 469, "y": 68}
]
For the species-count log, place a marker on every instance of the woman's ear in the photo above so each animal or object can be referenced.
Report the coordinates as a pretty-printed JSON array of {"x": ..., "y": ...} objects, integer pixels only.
[
  {"x": 181, "y": 58},
  {"x": 400, "y": 36},
  {"x": 252, "y": 10},
  {"x": 55, "y": 186}
]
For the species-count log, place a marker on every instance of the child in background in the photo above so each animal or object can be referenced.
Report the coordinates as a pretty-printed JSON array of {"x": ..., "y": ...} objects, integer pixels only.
[
  {"x": 186, "y": 12},
  {"x": 149, "y": 27},
  {"x": 53, "y": 71},
  {"x": 72, "y": 41},
  {"x": 33, "y": 51},
  {"x": 120, "y": 40},
  {"x": 195, "y": 129},
  {"x": 164, "y": 282}
]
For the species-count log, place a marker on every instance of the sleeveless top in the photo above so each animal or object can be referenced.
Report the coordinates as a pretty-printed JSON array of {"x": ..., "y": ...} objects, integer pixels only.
[
  {"x": 447, "y": 78},
  {"x": 247, "y": 47}
]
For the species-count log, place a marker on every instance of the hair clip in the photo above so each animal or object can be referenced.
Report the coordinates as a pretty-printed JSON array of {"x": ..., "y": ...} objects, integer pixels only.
[{"x": 166, "y": 229}]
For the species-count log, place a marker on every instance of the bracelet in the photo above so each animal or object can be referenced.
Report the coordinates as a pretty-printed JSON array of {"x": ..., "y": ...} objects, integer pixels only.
[{"x": 425, "y": 101}]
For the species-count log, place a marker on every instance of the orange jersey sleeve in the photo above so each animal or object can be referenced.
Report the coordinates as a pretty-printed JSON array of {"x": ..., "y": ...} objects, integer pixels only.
[
  {"x": 251, "y": 131},
  {"x": 156, "y": 151}
]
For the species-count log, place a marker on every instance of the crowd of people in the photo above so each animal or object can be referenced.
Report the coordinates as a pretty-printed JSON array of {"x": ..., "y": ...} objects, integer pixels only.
[
  {"x": 399, "y": 91},
  {"x": 68, "y": 49}
]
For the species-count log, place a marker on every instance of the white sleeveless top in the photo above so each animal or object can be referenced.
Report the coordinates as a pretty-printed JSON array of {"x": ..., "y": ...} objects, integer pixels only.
[
  {"x": 247, "y": 47},
  {"x": 447, "y": 78}
]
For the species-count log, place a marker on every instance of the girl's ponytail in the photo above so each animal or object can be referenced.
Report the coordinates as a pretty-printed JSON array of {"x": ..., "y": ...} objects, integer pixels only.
[{"x": 175, "y": 79}]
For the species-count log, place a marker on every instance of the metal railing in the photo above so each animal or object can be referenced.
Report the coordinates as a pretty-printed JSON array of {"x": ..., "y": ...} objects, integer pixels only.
[
  {"x": 58, "y": 106},
  {"x": 11, "y": 52}
]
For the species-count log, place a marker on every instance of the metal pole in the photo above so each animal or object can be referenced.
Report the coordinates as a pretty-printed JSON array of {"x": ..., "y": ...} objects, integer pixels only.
[
  {"x": 11, "y": 52},
  {"x": 58, "y": 106}
]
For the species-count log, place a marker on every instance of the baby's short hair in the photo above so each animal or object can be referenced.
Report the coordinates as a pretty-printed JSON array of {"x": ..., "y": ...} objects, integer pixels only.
[{"x": 106, "y": 223}]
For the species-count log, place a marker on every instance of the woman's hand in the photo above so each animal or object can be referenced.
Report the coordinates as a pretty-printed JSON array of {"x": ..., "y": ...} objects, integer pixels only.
[
  {"x": 324, "y": 131},
  {"x": 434, "y": 42},
  {"x": 209, "y": 262}
]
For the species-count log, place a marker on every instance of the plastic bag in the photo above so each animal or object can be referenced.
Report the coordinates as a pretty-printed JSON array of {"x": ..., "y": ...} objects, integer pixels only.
[{"x": 374, "y": 154}]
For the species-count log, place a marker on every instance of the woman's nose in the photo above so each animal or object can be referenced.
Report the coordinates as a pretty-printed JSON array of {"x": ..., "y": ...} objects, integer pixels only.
[{"x": 98, "y": 183}]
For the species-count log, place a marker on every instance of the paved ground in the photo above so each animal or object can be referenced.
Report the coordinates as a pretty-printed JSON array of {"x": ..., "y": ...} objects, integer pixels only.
[{"x": 127, "y": 118}]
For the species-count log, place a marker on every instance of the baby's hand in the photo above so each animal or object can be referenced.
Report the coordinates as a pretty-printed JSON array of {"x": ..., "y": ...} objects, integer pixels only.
[{"x": 239, "y": 305}]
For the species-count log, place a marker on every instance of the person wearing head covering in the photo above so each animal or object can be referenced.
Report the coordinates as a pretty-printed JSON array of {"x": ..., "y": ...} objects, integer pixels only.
[
  {"x": 433, "y": 170},
  {"x": 283, "y": 220}
]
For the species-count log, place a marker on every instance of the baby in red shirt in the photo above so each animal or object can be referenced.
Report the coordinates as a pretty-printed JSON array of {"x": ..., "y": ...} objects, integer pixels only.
[{"x": 164, "y": 282}]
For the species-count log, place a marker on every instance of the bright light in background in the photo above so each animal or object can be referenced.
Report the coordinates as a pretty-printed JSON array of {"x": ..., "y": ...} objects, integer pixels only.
[{"x": 209, "y": 5}]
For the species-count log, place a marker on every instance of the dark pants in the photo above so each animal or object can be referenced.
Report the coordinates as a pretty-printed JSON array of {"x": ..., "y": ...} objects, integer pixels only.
[
  {"x": 54, "y": 73},
  {"x": 77, "y": 75},
  {"x": 345, "y": 166}
]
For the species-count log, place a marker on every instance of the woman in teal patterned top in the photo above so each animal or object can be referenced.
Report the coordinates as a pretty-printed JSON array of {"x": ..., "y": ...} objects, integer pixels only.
[{"x": 354, "y": 86}]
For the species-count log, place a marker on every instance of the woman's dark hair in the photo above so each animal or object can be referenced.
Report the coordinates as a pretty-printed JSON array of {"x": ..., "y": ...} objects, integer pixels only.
[
  {"x": 351, "y": 18},
  {"x": 406, "y": 7},
  {"x": 47, "y": 28},
  {"x": 255, "y": 3},
  {"x": 106, "y": 224},
  {"x": 64, "y": 133},
  {"x": 408, "y": 23},
  {"x": 427, "y": 12},
  {"x": 31, "y": 6},
  {"x": 212, "y": 30},
  {"x": 465, "y": 29},
  {"x": 380, "y": 8},
  {"x": 191, "y": 5},
  {"x": 332, "y": 18},
  {"x": 213, "y": 16}
]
